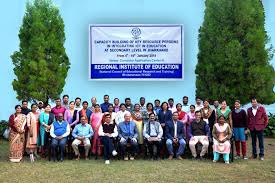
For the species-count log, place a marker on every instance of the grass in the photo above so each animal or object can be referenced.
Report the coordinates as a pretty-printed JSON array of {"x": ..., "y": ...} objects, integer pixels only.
[{"x": 139, "y": 170}]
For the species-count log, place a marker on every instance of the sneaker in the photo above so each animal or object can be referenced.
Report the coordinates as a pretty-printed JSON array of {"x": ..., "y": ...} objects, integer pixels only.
[
  {"x": 226, "y": 162},
  {"x": 107, "y": 162},
  {"x": 237, "y": 157},
  {"x": 126, "y": 158},
  {"x": 170, "y": 157},
  {"x": 32, "y": 158},
  {"x": 114, "y": 153},
  {"x": 262, "y": 158},
  {"x": 214, "y": 161},
  {"x": 245, "y": 158},
  {"x": 132, "y": 158}
]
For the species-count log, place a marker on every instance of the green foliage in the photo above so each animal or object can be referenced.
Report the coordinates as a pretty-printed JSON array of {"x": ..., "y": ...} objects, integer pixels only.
[
  {"x": 41, "y": 64},
  {"x": 270, "y": 129},
  {"x": 233, "y": 58},
  {"x": 3, "y": 126}
]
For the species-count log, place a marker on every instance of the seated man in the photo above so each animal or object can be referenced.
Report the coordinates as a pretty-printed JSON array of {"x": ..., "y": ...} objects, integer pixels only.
[
  {"x": 59, "y": 131},
  {"x": 175, "y": 136},
  {"x": 199, "y": 132},
  {"x": 153, "y": 133},
  {"x": 108, "y": 131},
  {"x": 82, "y": 134},
  {"x": 128, "y": 133}
]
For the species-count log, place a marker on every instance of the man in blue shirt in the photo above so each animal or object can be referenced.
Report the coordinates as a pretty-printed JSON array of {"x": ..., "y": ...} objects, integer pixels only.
[
  {"x": 82, "y": 134},
  {"x": 104, "y": 106},
  {"x": 128, "y": 134}
]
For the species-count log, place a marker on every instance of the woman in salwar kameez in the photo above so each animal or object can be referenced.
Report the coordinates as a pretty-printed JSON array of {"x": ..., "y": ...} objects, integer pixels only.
[
  {"x": 137, "y": 118},
  {"x": 17, "y": 123},
  {"x": 96, "y": 121},
  {"x": 221, "y": 139},
  {"x": 33, "y": 131}
]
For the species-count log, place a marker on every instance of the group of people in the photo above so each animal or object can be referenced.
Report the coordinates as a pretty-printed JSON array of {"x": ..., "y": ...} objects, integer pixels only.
[{"x": 160, "y": 127}]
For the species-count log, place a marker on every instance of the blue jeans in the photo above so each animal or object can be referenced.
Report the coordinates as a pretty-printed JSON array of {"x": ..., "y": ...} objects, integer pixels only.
[
  {"x": 169, "y": 144},
  {"x": 260, "y": 134},
  {"x": 58, "y": 142}
]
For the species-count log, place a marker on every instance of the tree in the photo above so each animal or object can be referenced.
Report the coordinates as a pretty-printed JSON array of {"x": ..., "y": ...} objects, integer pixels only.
[
  {"x": 41, "y": 64},
  {"x": 234, "y": 57}
]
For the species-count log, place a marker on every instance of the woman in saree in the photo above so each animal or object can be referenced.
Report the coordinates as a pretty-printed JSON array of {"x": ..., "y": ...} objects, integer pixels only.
[
  {"x": 33, "y": 131},
  {"x": 226, "y": 112},
  {"x": 182, "y": 117},
  {"x": 149, "y": 110},
  {"x": 17, "y": 122},
  {"x": 96, "y": 119},
  {"x": 190, "y": 118},
  {"x": 208, "y": 114},
  {"x": 71, "y": 115},
  {"x": 46, "y": 118},
  {"x": 221, "y": 139},
  {"x": 137, "y": 118}
]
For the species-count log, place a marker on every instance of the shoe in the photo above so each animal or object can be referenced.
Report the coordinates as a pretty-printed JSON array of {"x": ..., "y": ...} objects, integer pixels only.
[
  {"x": 86, "y": 158},
  {"x": 194, "y": 158},
  {"x": 132, "y": 158},
  {"x": 179, "y": 158},
  {"x": 253, "y": 157},
  {"x": 202, "y": 158},
  {"x": 237, "y": 157},
  {"x": 245, "y": 158},
  {"x": 61, "y": 159},
  {"x": 214, "y": 161},
  {"x": 31, "y": 157},
  {"x": 114, "y": 153},
  {"x": 170, "y": 157},
  {"x": 77, "y": 157},
  {"x": 226, "y": 162},
  {"x": 262, "y": 158},
  {"x": 107, "y": 162},
  {"x": 126, "y": 158}
]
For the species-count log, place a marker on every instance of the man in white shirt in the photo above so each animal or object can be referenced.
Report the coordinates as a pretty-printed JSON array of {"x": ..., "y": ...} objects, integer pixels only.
[
  {"x": 59, "y": 131},
  {"x": 120, "y": 114},
  {"x": 198, "y": 105}
]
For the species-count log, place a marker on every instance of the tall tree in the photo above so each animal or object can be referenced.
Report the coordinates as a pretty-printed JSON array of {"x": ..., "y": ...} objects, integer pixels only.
[
  {"x": 233, "y": 58},
  {"x": 41, "y": 64}
]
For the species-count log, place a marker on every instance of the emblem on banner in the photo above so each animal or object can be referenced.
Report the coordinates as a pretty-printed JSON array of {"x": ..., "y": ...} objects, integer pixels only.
[{"x": 136, "y": 32}]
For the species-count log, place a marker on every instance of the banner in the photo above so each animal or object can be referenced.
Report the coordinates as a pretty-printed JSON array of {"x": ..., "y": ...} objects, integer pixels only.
[{"x": 139, "y": 52}]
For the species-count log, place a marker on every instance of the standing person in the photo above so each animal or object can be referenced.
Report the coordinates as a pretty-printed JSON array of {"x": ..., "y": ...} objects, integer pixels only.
[
  {"x": 226, "y": 112},
  {"x": 40, "y": 106},
  {"x": 65, "y": 101},
  {"x": 142, "y": 105},
  {"x": 199, "y": 133},
  {"x": 185, "y": 105},
  {"x": 71, "y": 115},
  {"x": 82, "y": 134},
  {"x": 171, "y": 106},
  {"x": 104, "y": 106},
  {"x": 257, "y": 122},
  {"x": 137, "y": 118},
  {"x": 96, "y": 119},
  {"x": 94, "y": 102},
  {"x": 175, "y": 136},
  {"x": 190, "y": 118},
  {"x": 153, "y": 135},
  {"x": 157, "y": 107},
  {"x": 17, "y": 122},
  {"x": 216, "y": 105},
  {"x": 164, "y": 114},
  {"x": 198, "y": 105},
  {"x": 58, "y": 108},
  {"x": 116, "y": 105},
  {"x": 208, "y": 115},
  {"x": 77, "y": 102},
  {"x": 182, "y": 117},
  {"x": 129, "y": 105},
  {"x": 60, "y": 129},
  {"x": 33, "y": 131},
  {"x": 25, "y": 109},
  {"x": 108, "y": 131},
  {"x": 239, "y": 120},
  {"x": 112, "y": 113},
  {"x": 85, "y": 111},
  {"x": 120, "y": 114},
  {"x": 149, "y": 110},
  {"x": 46, "y": 118},
  {"x": 221, "y": 139},
  {"x": 128, "y": 133}
]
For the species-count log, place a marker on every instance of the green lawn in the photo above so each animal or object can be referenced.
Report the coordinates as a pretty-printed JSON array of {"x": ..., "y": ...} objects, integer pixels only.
[{"x": 139, "y": 170}]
